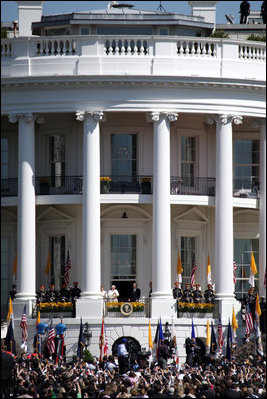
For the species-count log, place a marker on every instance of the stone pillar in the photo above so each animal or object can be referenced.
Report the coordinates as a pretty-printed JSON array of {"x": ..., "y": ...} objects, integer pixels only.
[
  {"x": 161, "y": 246},
  {"x": 26, "y": 238},
  {"x": 224, "y": 214},
  {"x": 262, "y": 257},
  {"x": 91, "y": 265}
]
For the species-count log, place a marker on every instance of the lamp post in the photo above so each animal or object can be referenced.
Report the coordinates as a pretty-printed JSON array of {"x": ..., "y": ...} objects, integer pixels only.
[{"x": 87, "y": 335}]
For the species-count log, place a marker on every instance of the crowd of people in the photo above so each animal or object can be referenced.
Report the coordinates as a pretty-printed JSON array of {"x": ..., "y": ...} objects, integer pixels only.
[{"x": 31, "y": 377}]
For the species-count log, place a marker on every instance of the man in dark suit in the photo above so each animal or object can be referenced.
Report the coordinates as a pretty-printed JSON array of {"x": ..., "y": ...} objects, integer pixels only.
[
  {"x": 177, "y": 292},
  {"x": 135, "y": 294}
]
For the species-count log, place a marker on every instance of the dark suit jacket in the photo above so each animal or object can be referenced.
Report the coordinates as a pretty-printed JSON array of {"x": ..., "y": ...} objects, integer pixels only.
[{"x": 135, "y": 295}]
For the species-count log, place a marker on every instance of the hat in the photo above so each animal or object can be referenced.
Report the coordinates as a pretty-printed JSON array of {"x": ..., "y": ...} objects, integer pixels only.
[
  {"x": 42, "y": 286},
  {"x": 75, "y": 283}
]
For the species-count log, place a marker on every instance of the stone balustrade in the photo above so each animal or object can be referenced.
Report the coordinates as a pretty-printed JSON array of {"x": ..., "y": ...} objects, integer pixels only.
[{"x": 147, "y": 56}]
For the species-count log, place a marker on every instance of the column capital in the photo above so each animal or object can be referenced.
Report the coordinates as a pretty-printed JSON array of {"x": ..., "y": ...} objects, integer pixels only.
[
  {"x": 26, "y": 117},
  {"x": 223, "y": 119},
  {"x": 155, "y": 116},
  {"x": 98, "y": 116}
]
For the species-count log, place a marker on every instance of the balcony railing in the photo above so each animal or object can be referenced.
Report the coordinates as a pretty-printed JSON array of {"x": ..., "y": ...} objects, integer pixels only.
[
  {"x": 126, "y": 309},
  {"x": 62, "y": 185},
  {"x": 142, "y": 55}
]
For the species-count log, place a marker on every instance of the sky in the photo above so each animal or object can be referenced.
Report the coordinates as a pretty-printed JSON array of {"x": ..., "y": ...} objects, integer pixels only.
[{"x": 9, "y": 8}]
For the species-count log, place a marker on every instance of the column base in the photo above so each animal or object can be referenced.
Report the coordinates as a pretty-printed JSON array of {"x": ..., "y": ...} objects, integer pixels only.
[
  {"x": 162, "y": 306},
  {"x": 225, "y": 308},
  {"x": 18, "y": 306},
  {"x": 89, "y": 307}
]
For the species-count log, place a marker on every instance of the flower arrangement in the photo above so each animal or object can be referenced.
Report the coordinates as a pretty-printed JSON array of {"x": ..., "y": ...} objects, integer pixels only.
[
  {"x": 195, "y": 307},
  {"x": 105, "y": 179},
  {"x": 55, "y": 307},
  {"x": 115, "y": 306}
]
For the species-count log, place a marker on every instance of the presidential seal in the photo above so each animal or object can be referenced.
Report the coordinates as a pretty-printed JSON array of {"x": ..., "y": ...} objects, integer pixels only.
[{"x": 126, "y": 308}]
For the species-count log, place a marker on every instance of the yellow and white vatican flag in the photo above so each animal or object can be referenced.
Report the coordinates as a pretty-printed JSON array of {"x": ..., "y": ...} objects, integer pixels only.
[
  {"x": 209, "y": 281},
  {"x": 10, "y": 314},
  {"x": 257, "y": 309},
  {"x": 234, "y": 324},
  {"x": 208, "y": 337},
  {"x": 253, "y": 271},
  {"x": 150, "y": 343},
  {"x": 179, "y": 269}
]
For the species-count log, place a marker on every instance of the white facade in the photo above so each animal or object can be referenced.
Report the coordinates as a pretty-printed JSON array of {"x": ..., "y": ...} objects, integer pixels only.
[{"x": 162, "y": 94}]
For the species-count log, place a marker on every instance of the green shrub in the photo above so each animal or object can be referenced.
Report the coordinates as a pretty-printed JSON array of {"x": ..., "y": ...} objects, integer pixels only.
[
  {"x": 219, "y": 34},
  {"x": 87, "y": 356},
  {"x": 257, "y": 38}
]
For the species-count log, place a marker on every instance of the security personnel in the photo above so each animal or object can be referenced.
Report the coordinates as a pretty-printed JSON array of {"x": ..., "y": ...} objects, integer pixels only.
[
  {"x": 75, "y": 292},
  {"x": 187, "y": 294},
  {"x": 177, "y": 292},
  {"x": 52, "y": 294},
  {"x": 197, "y": 294},
  {"x": 244, "y": 11},
  {"x": 64, "y": 294},
  {"x": 209, "y": 294},
  {"x": 41, "y": 295}
]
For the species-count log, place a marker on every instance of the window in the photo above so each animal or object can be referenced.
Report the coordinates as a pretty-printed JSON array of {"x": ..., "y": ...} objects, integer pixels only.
[
  {"x": 123, "y": 257},
  {"x": 57, "y": 31},
  {"x": 242, "y": 254},
  {"x": 57, "y": 251},
  {"x": 188, "y": 166},
  {"x": 124, "y": 156},
  {"x": 124, "y": 30},
  {"x": 187, "y": 253},
  {"x": 5, "y": 275},
  {"x": 4, "y": 158},
  {"x": 57, "y": 160},
  {"x": 163, "y": 31},
  {"x": 85, "y": 31},
  {"x": 246, "y": 164}
]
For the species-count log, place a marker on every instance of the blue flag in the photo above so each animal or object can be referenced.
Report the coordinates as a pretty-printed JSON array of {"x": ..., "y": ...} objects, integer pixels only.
[
  {"x": 229, "y": 342},
  {"x": 157, "y": 335},
  {"x": 161, "y": 335},
  {"x": 213, "y": 343},
  {"x": 10, "y": 340},
  {"x": 80, "y": 342},
  {"x": 193, "y": 335}
]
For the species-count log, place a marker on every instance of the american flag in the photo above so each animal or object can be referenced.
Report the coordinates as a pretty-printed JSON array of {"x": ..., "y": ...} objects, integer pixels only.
[
  {"x": 234, "y": 271},
  {"x": 103, "y": 342},
  {"x": 249, "y": 320},
  {"x": 193, "y": 271},
  {"x": 220, "y": 334},
  {"x": 23, "y": 325},
  {"x": 51, "y": 341},
  {"x": 67, "y": 269}
]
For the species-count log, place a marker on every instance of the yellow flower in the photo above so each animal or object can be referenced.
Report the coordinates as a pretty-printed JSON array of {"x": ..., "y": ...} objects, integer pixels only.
[{"x": 105, "y": 179}]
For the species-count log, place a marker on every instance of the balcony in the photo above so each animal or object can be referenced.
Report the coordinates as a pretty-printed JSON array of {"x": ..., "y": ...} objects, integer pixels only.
[
  {"x": 143, "y": 56},
  {"x": 73, "y": 185}
]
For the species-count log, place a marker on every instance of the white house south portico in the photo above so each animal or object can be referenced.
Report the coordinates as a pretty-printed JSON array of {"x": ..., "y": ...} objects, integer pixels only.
[{"x": 150, "y": 144}]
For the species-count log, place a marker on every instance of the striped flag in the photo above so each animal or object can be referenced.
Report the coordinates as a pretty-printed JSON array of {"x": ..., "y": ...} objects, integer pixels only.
[
  {"x": 179, "y": 269},
  {"x": 209, "y": 281},
  {"x": 67, "y": 271},
  {"x": 103, "y": 345},
  {"x": 234, "y": 271},
  {"x": 193, "y": 272},
  {"x": 220, "y": 334},
  {"x": 51, "y": 341},
  {"x": 173, "y": 335},
  {"x": 249, "y": 320},
  {"x": 253, "y": 270},
  {"x": 23, "y": 325}
]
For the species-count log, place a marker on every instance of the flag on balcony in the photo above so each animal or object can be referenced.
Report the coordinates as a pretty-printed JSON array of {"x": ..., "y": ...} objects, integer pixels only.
[
  {"x": 208, "y": 334},
  {"x": 103, "y": 345},
  {"x": 150, "y": 340},
  {"x": 249, "y": 320},
  {"x": 10, "y": 342},
  {"x": 179, "y": 269},
  {"x": 48, "y": 264},
  {"x": 257, "y": 309},
  {"x": 193, "y": 335},
  {"x": 67, "y": 271},
  {"x": 253, "y": 270},
  {"x": 80, "y": 342},
  {"x": 24, "y": 328},
  {"x": 209, "y": 281},
  {"x": 193, "y": 272},
  {"x": 15, "y": 268},
  {"x": 229, "y": 342},
  {"x": 213, "y": 343},
  {"x": 234, "y": 324},
  {"x": 220, "y": 334},
  {"x": 234, "y": 271},
  {"x": 173, "y": 336}
]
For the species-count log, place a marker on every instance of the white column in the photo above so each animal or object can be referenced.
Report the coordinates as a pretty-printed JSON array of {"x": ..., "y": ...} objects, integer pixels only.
[
  {"x": 91, "y": 265},
  {"x": 262, "y": 257},
  {"x": 26, "y": 290},
  {"x": 161, "y": 246},
  {"x": 224, "y": 213}
]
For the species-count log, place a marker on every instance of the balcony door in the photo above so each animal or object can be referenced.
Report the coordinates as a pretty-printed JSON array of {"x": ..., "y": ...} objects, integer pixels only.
[
  {"x": 124, "y": 159},
  {"x": 188, "y": 162},
  {"x": 57, "y": 251},
  {"x": 57, "y": 160}
]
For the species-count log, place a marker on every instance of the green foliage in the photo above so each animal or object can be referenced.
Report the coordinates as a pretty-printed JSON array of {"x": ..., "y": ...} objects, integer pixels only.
[
  {"x": 257, "y": 38},
  {"x": 3, "y": 32},
  {"x": 219, "y": 34},
  {"x": 87, "y": 356}
]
